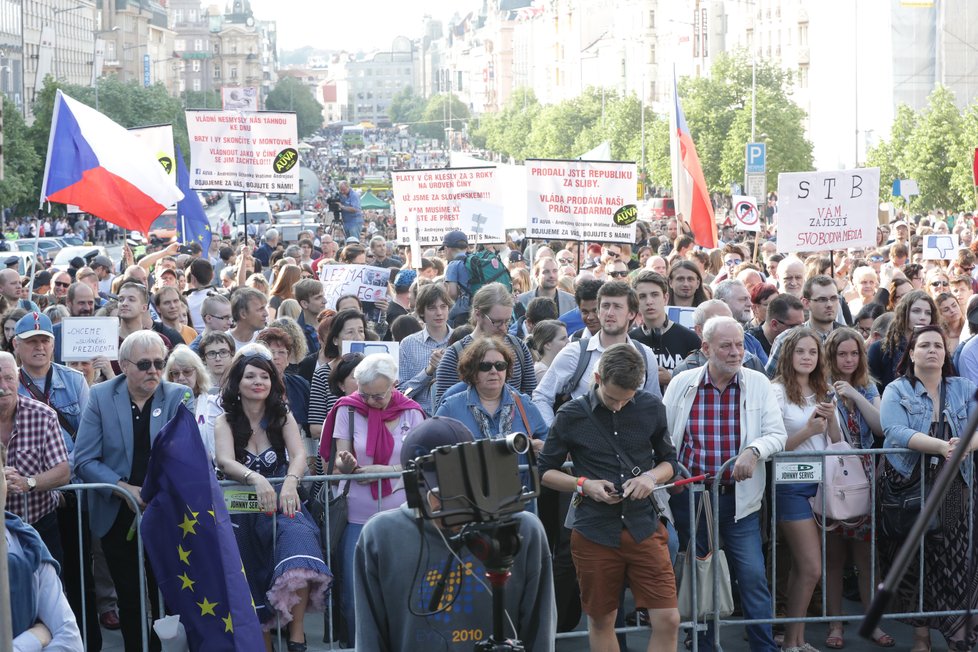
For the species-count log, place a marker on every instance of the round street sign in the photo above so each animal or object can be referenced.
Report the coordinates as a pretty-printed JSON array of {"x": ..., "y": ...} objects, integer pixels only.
[{"x": 746, "y": 213}]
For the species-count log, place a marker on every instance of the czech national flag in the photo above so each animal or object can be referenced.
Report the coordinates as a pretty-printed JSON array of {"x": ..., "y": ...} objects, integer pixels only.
[
  {"x": 688, "y": 183},
  {"x": 103, "y": 169}
]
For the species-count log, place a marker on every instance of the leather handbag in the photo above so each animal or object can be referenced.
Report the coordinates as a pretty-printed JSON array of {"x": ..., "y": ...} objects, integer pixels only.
[
  {"x": 707, "y": 601},
  {"x": 844, "y": 494}
]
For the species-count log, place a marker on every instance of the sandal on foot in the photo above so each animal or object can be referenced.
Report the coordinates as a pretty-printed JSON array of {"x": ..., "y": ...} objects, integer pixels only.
[
  {"x": 835, "y": 640},
  {"x": 885, "y": 640},
  {"x": 921, "y": 644}
]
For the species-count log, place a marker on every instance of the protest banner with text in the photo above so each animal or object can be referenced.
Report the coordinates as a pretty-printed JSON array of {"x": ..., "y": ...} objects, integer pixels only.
[
  {"x": 246, "y": 151},
  {"x": 821, "y": 211},
  {"x": 578, "y": 200},
  {"x": 363, "y": 281},
  {"x": 434, "y": 200},
  {"x": 84, "y": 338}
]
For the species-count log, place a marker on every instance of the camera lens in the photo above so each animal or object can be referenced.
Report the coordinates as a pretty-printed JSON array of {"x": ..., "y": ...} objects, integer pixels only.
[{"x": 518, "y": 443}]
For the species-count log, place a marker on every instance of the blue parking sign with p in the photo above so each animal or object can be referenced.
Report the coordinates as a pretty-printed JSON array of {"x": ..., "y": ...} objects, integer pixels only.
[{"x": 756, "y": 158}]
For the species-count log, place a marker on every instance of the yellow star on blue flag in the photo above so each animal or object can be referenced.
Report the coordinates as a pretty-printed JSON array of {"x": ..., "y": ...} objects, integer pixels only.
[
  {"x": 196, "y": 560},
  {"x": 192, "y": 221}
]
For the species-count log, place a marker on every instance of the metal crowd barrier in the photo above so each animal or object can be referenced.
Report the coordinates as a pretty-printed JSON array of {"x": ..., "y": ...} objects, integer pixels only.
[{"x": 782, "y": 466}]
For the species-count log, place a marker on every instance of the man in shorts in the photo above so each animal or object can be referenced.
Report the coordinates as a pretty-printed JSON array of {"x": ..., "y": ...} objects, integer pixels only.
[{"x": 617, "y": 437}]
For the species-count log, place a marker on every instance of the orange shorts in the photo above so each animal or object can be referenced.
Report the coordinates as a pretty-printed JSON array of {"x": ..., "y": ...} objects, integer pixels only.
[{"x": 602, "y": 571}]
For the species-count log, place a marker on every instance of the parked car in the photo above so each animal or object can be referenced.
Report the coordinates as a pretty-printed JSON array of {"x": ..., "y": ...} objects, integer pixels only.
[
  {"x": 26, "y": 263},
  {"x": 164, "y": 228},
  {"x": 660, "y": 207},
  {"x": 49, "y": 247},
  {"x": 86, "y": 252}
]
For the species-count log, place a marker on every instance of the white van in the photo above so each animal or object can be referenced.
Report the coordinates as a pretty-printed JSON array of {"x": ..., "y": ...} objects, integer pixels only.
[{"x": 258, "y": 216}]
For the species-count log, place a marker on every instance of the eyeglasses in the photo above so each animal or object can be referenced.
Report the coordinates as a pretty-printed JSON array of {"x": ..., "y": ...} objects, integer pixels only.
[
  {"x": 496, "y": 323},
  {"x": 824, "y": 300},
  {"x": 565, "y": 261},
  {"x": 376, "y": 397},
  {"x": 733, "y": 262},
  {"x": 220, "y": 317},
  {"x": 61, "y": 285},
  {"x": 617, "y": 274},
  {"x": 498, "y": 365},
  {"x": 182, "y": 373},
  {"x": 218, "y": 355},
  {"x": 939, "y": 284},
  {"x": 613, "y": 254},
  {"x": 144, "y": 365}
]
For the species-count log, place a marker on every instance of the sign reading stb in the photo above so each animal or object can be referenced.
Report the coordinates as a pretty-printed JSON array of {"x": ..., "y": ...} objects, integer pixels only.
[{"x": 756, "y": 158}]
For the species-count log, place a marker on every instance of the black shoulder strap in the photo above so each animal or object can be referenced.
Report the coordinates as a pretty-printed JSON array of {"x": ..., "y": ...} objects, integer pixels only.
[{"x": 583, "y": 357}]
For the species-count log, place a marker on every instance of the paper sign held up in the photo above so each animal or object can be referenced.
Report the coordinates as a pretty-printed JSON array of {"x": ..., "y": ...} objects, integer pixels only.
[
  {"x": 941, "y": 246},
  {"x": 84, "y": 338}
]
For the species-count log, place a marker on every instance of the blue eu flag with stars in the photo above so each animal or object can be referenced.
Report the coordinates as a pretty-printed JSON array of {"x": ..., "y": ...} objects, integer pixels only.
[
  {"x": 190, "y": 543},
  {"x": 192, "y": 222}
]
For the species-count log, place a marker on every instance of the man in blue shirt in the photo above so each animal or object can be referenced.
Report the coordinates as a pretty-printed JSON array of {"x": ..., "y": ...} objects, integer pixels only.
[{"x": 352, "y": 213}]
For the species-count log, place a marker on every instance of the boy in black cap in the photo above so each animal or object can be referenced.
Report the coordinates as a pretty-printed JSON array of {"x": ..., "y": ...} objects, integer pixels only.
[{"x": 390, "y": 548}]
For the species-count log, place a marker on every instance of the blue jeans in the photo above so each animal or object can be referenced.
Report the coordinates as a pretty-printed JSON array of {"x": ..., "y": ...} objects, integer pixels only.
[
  {"x": 745, "y": 556},
  {"x": 348, "y": 546},
  {"x": 352, "y": 227}
]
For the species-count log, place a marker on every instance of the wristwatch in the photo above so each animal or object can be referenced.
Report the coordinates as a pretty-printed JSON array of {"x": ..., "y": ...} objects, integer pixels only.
[
  {"x": 755, "y": 450},
  {"x": 31, "y": 484}
]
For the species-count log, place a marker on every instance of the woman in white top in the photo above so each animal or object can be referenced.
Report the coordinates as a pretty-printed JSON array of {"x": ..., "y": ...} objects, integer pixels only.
[{"x": 808, "y": 408}]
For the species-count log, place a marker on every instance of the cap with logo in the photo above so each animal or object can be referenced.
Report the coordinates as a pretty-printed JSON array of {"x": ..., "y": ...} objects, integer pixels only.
[{"x": 34, "y": 323}]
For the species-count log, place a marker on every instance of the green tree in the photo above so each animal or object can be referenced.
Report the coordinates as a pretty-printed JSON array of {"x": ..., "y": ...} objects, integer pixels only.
[
  {"x": 935, "y": 155},
  {"x": 718, "y": 107},
  {"x": 21, "y": 163},
  {"x": 290, "y": 94},
  {"x": 508, "y": 131},
  {"x": 435, "y": 118},
  {"x": 406, "y": 107}
]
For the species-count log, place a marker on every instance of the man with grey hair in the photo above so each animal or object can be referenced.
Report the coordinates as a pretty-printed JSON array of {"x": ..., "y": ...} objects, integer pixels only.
[
  {"x": 114, "y": 440},
  {"x": 704, "y": 312},
  {"x": 267, "y": 248},
  {"x": 734, "y": 293},
  {"x": 720, "y": 412}
]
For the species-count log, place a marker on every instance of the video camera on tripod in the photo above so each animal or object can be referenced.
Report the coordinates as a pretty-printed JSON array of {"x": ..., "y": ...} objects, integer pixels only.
[
  {"x": 479, "y": 487},
  {"x": 333, "y": 206}
]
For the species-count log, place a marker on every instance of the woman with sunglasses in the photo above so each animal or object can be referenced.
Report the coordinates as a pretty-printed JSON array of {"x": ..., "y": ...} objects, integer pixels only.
[
  {"x": 381, "y": 417},
  {"x": 185, "y": 367},
  {"x": 257, "y": 438},
  {"x": 487, "y": 405},
  {"x": 937, "y": 281}
]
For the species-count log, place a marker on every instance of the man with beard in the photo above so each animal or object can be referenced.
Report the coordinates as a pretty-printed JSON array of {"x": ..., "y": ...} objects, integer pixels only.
[
  {"x": 686, "y": 284},
  {"x": 545, "y": 275}
]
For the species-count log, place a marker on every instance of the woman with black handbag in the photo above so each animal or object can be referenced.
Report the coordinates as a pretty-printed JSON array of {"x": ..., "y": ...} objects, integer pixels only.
[{"x": 925, "y": 409}]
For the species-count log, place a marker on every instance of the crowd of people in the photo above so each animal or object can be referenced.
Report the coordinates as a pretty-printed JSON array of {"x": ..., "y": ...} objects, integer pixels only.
[{"x": 579, "y": 345}]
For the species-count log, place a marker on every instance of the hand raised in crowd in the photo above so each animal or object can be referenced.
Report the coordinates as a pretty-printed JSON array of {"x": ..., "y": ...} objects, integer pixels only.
[
  {"x": 845, "y": 390},
  {"x": 433, "y": 362}
]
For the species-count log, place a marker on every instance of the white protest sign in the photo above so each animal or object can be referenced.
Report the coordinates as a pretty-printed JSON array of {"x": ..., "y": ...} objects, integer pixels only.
[
  {"x": 577, "y": 200},
  {"x": 84, "y": 338},
  {"x": 746, "y": 215},
  {"x": 482, "y": 219},
  {"x": 821, "y": 211},
  {"x": 433, "y": 198},
  {"x": 247, "y": 151},
  {"x": 363, "y": 281},
  {"x": 682, "y": 315},
  {"x": 941, "y": 246},
  {"x": 366, "y": 348}
]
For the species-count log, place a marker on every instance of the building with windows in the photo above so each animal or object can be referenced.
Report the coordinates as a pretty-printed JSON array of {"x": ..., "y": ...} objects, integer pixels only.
[
  {"x": 138, "y": 42},
  {"x": 12, "y": 52},
  {"x": 371, "y": 81}
]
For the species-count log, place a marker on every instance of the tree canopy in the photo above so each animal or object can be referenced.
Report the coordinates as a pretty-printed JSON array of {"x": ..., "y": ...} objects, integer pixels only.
[{"x": 290, "y": 94}]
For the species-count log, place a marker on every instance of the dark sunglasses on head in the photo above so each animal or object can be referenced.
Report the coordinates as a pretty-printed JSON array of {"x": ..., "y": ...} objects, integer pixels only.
[
  {"x": 144, "y": 365},
  {"x": 499, "y": 365}
]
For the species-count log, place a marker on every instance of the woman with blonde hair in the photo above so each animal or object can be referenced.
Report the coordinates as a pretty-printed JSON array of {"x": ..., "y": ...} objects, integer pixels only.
[{"x": 185, "y": 367}]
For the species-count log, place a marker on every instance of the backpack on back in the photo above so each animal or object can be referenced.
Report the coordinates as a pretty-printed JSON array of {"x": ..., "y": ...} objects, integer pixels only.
[{"x": 483, "y": 267}]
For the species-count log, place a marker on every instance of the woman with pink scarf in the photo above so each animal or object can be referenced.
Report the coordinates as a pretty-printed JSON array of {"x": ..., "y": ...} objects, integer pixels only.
[{"x": 367, "y": 428}]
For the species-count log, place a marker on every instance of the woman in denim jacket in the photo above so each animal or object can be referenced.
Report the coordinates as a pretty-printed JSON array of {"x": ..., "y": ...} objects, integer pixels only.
[{"x": 910, "y": 407}]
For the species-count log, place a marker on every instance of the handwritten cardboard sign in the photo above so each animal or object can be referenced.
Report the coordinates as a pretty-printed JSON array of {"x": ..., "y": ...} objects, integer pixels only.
[{"x": 84, "y": 338}]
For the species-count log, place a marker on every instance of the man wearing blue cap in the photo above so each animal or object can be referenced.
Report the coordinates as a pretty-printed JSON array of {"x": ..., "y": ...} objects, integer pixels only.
[
  {"x": 393, "y": 543},
  {"x": 401, "y": 305}
]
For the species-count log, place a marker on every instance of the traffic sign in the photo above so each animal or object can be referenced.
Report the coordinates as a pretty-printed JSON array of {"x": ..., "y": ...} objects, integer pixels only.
[
  {"x": 756, "y": 158},
  {"x": 746, "y": 214},
  {"x": 757, "y": 188}
]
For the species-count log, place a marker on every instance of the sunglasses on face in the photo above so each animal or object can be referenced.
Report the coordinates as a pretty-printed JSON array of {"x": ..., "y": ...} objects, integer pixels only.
[
  {"x": 61, "y": 285},
  {"x": 734, "y": 262},
  {"x": 939, "y": 284},
  {"x": 144, "y": 365},
  {"x": 617, "y": 274},
  {"x": 499, "y": 365}
]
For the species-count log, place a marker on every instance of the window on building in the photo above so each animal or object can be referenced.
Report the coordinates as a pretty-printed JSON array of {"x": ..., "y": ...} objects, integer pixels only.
[
  {"x": 178, "y": 16},
  {"x": 652, "y": 19},
  {"x": 198, "y": 44},
  {"x": 181, "y": 85},
  {"x": 217, "y": 72},
  {"x": 803, "y": 34},
  {"x": 195, "y": 65},
  {"x": 234, "y": 46},
  {"x": 192, "y": 15},
  {"x": 196, "y": 85},
  {"x": 803, "y": 76},
  {"x": 179, "y": 44},
  {"x": 233, "y": 72}
]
